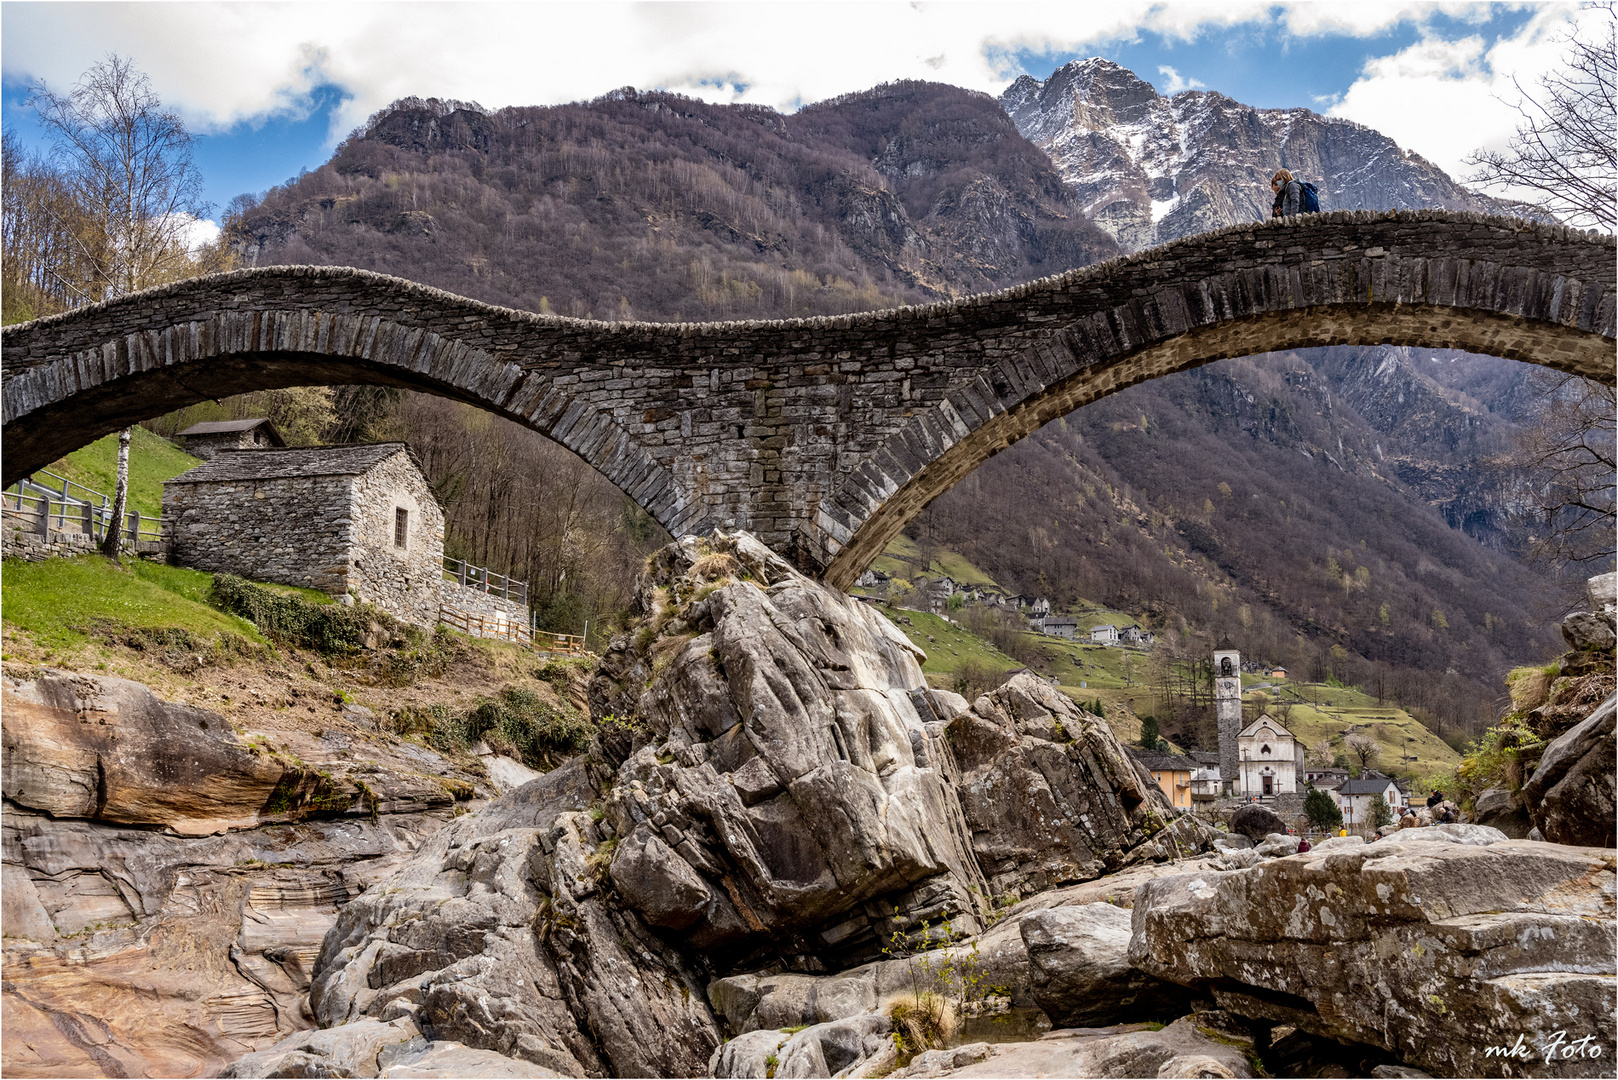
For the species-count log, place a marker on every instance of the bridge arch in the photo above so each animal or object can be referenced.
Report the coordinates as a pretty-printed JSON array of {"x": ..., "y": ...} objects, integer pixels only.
[{"x": 823, "y": 436}]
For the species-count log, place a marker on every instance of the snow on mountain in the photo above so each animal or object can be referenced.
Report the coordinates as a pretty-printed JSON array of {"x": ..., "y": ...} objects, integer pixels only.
[{"x": 1148, "y": 168}]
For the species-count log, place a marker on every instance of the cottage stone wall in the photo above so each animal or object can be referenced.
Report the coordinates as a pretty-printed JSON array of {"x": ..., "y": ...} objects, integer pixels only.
[
  {"x": 208, "y": 447},
  {"x": 292, "y": 531},
  {"x": 403, "y": 581}
]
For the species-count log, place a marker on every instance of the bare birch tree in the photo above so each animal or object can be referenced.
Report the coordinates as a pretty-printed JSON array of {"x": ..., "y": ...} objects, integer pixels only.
[{"x": 126, "y": 163}]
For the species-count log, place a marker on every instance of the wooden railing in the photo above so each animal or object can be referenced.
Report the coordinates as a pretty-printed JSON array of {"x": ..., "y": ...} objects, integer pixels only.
[
  {"x": 568, "y": 644},
  {"x": 485, "y": 580},
  {"x": 468, "y": 622},
  {"x": 486, "y": 626}
]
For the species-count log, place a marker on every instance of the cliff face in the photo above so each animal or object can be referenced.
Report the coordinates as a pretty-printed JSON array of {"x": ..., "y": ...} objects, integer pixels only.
[{"x": 1148, "y": 168}]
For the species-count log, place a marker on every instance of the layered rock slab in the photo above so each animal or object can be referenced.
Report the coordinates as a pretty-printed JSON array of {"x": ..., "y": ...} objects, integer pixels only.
[{"x": 1429, "y": 949}]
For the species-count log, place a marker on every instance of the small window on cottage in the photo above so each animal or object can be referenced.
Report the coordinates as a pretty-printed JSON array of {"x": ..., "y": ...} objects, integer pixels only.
[{"x": 401, "y": 526}]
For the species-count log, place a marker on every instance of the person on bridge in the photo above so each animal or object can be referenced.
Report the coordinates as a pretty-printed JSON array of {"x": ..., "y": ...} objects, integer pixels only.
[{"x": 1288, "y": 195}]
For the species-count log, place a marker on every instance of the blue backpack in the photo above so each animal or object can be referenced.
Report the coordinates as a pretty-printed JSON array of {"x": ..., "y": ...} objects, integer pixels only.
[{"x": 1311, "y": 198}]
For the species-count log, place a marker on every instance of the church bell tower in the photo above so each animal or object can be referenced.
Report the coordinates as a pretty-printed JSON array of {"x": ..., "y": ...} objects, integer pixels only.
[{"x": 1227, "y": 664}]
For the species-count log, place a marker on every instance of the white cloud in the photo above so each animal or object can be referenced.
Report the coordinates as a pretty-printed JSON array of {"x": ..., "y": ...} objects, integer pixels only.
[
  {"x": 1445, "y": 99},
  {"x": 1174, "y": 82},
  {"x": 225, "y": 63},
  {"x": 200, "y": 232}
]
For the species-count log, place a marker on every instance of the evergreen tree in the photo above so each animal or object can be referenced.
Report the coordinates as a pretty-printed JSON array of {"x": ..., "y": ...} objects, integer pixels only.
[
  {"x": 1321, "y": 809},
  {"x": 1149, "y": 737}
]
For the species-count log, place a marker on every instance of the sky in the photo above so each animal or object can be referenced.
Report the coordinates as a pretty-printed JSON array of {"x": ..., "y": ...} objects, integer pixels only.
[{"x": 269, "y": 89}]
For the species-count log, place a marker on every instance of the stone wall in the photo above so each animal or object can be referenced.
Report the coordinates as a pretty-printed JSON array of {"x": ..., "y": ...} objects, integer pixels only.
[
  {"x": 824, "y": 436},
  {"x": 476, "y": 602},
  {"x": 404, "y": 581},
  {"x": 293, "y": 531},
  {"x": 20, "y": 538}
]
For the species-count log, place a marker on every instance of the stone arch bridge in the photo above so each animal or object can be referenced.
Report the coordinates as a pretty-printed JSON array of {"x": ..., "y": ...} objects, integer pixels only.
[{"x": 822, "y": 436}]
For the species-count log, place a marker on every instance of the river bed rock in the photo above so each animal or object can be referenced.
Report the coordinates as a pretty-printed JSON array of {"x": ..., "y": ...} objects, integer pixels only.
[{"x": 1430, "y": 949}]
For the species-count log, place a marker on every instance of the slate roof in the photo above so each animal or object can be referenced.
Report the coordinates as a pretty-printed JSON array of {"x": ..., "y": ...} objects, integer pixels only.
[
  {"x": 280, "y": 464},
  {"x": 1374, "y": 785},
  {"x": 1164, "y": 762},
  {"x": 220, "y": 427}
]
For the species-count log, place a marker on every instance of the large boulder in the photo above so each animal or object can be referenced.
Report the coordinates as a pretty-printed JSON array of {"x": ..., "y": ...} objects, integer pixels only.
[
  {"x": 1256, "y": 821},
  {"x": 1573, "y": 795},
  {"x": 1595, "y": 630},
  {"x": 1187, "y": 1047},
  {"x": 109, "y": 749},
  {"x": 1504, "y": 810},
  {"x": 995, "y": 961},
  {"x": 1081, "y": 973},
  {"x": 1428, "y": 949},
  {"x": 498, "y": 936},
  {"x": 1049, "y": 793},
  {"x": 794, "y": 793}
]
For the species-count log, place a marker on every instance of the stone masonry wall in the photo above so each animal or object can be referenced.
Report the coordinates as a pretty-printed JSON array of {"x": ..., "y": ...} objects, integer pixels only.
[
  {"x": 290, "y": 531},
  {"x": 403, "y": 581},
  {"x": 476, "y": 602},
  {"x": 823, "y": 436}
]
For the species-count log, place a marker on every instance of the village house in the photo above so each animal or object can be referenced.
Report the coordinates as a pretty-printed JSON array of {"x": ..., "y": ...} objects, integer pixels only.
[
  {"x": 1354, "y": 798},
  {"x": 1062, "y": 626},
  {"x": 1172, "y": 772},
  {"x": 1105, "y": 634},
  {"x": 1269, "y": 759},
  {"x": 1040, "y": 608},
  {"x": 209, "y": 439},
  {"x": 1206, "y": 782},
  {"x": 1278, "y": 673},
  {"x": 1134, "y": 635},
  {"x": 359, "y": 523},
  {"x": 1325, "y": 776}
]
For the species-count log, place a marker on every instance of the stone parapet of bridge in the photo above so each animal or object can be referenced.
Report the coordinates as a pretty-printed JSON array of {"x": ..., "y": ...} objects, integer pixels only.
[{"x": 822, "y": 436}]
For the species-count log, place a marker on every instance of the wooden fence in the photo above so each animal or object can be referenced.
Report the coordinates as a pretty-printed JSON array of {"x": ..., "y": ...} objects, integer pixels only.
[{"x": 485, "y": 626}]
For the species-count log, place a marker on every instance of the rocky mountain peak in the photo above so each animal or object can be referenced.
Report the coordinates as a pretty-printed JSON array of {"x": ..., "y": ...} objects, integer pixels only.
[{"x": 1149, "y": 168}]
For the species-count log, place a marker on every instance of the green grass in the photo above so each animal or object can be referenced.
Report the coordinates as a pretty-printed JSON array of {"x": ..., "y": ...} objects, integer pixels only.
[
  {"x": 152, "y": 460},
  {"x": 897, "y": 560},
  {"x": 1398, "y": 733},
  {"x": 950, "y": 645},
  {"x": 59, "y": 601}
]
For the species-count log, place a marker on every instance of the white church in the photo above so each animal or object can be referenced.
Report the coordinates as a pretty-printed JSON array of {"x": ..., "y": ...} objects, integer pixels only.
[
  {"x": 1270, "y": 757},
  {"x": 1263, "y": 758}
]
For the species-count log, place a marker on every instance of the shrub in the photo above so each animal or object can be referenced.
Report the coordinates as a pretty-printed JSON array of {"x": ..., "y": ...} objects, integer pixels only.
[{"x": 330, "y": 629}]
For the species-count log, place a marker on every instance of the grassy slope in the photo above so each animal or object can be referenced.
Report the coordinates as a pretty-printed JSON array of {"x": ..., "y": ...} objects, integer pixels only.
[
  {"x": 1118, "y": 676},
  {"x": 152, "y": 460},
  {"x": 59, "y": 602}
]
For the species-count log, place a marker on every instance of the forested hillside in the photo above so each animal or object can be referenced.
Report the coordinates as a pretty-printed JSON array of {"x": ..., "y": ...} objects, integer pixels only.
[{"x": 1302, "y": 504}]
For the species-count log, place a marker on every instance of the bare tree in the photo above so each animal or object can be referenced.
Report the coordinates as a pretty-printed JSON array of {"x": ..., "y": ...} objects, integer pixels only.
[
  {"x": 126, "y": 164},
  {"x": 1363, "y": 748},
  {"x": 1566, "y": 148},
  {"x": 1567, "y": 457}
]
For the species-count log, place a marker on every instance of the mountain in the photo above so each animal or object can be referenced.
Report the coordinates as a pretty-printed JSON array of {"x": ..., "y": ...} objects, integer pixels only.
[
  {"x": 1149, "y": 169},
  {"x": 1243, "y": 498},
  {"x": 655, "y": 206}
]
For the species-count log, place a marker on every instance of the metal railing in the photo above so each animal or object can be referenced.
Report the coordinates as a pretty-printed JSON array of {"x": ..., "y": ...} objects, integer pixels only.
[
  {"x": 39, "y": 503},
  {"x": 485, "y": 581}
]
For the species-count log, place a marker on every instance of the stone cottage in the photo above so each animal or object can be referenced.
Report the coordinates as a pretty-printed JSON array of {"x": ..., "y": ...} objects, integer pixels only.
[
  {"x": 208, "y": 440},
  {"x": 356, "y": 521}
]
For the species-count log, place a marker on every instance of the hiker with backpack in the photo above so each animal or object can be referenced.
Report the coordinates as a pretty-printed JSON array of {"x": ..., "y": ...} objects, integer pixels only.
[{"x": 1293, "y": 196}]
